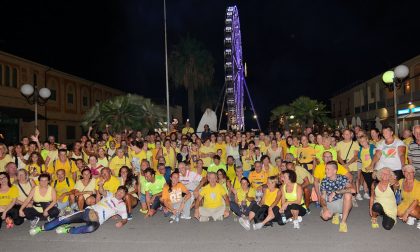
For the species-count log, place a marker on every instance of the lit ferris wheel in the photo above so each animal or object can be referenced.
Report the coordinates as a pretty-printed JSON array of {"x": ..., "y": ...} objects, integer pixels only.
[{"x": 235, "y": 84}]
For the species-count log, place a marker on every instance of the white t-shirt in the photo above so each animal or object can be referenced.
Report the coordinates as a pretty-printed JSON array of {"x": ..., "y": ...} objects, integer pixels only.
[
  {"x": 390, "y": 157},
  {"x": 108, "y": 207},
  {"x": 191, "y": 180}
]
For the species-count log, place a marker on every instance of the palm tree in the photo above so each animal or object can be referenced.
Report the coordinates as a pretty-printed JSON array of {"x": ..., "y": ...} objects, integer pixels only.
[
  {"x": 307, "y": 111},
  {"x": 192, "y": 67},
  {"x": 124, "y": 112},
  {"x": 279, "y": 114}
]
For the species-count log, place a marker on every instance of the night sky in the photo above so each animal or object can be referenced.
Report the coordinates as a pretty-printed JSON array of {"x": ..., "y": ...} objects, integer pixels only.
[{"x": 292, "y": 48}]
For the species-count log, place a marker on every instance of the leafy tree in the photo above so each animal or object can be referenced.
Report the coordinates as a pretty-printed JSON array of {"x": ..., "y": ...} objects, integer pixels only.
[{"x": 124, "y": 112}]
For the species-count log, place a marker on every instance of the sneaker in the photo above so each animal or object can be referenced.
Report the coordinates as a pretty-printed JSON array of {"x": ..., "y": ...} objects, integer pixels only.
[
  {"x": 34, "y": 231},
  {"x": 245, "y": 223},
  {"x": 354, "y": 202},
  {"x": 68, "y": 210},
  {"x": 143, "y": 211},
  {"x": 49, "y": 219},
  {"x": 257, "y": 226},
  {"x": 366, "y": 196},
  {"x": 375, "y": 225},
  {"x": 308, "y": 211},
  {"x": 129, "y": 216},
  {"x": 299, "y": 219},
  {"x": 204, "y": 219},
  {"x": 296, "y": 224},
  {"x": 343, "y": 228},
  {"x": 418, "y": 225},
  {"x": 219, "y": 219},
  {"x": 63, "y": 229},
  {"x": 335, "y": 219},
  {"x": 410, "y": 221},
  {"x": 34, "y": 222},
  {"x": 185, "y": 217},
  {"x": 359, "y": 197}
]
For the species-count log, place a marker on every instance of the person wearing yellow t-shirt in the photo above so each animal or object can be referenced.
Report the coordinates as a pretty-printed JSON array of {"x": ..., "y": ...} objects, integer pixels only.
[
  {"x": 64, "y": 188},
  {"x": 215, "y": 201},
  {"x": 35, "y": 165},
  {"x": 220, "y": 145},
  {"x": 8, "y": 195},
  {"x": 4, "y": 158},
  {"x": 366, "y": 154},
  {"x": 137, "y": 153},
  {"x": 306, "y": 154},
  {"x": 236, "y": 181},
  {"x": 230, "y": 168},
  {"x": 247, "y": 160},
  {"x": 347, "y": 152},
  {"x": 169, "y": 153},
  {"x": 258, "y": 177},
  {"x": 64, "y": 163},
  {"x": 187, "y": 129},
  {"x": 109, "y": 182},
  {"x": 207, "y": 152},
  {"x": 326, "y": 146},
  {"x": 319, "y": 172},
  {"x": 270, "y": 204},
  {"x": 119, "y": 161},
  {"x": 244, "y": 198},
  {"x": 270, "y": 169}
]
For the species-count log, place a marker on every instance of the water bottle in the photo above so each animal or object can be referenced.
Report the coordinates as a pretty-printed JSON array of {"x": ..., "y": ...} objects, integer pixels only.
[{"x": 283, "y": 218}]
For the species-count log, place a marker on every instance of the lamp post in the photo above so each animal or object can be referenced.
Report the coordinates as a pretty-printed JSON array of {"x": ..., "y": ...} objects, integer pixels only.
[
  {"x": 393, "y": 81},
  {"x": 35, "y": 97}
]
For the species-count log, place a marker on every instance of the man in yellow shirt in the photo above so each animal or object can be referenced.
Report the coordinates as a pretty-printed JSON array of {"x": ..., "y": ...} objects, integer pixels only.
[
  {"x": 319, "y": 172},
  {"x": 110, "y": 182},
  {"x": 306, "y": 154},
  {"x": 258, "y": 177},
  {"x": 119, "y": 161},
  {"x": 4, "y": 158},
  {"x": 220, "y": 145},
  {"x": 212, "y": 196},
  {"x": 64, "y": 163},
  {"x": 64, "y": 187},
  {"x": 207, "y": 152}
]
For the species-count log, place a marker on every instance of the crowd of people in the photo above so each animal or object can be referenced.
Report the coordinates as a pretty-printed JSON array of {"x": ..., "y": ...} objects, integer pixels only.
[{"x": 260, "y": 178}]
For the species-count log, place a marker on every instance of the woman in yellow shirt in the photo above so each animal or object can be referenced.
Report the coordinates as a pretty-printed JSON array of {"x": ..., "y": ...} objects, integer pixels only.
[
  {"x": 36, "y": 165},
  {"x": 8, "y": 195},
  {"x": 409, "y": 208},
  {"x": 169, "y": 154},
  {"x": 292, "y": 202},
  {"x": 244, "y": 199},
  {"x": 270, "y": 204}
]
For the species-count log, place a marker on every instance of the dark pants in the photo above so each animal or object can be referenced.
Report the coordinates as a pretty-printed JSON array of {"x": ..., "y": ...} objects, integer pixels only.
[
  {"x": 156, "y": 203},
  {"x": 367, "y": 176},
  {"x": 238, "y": 210},
  {"x": 261, "y": 213},
  {"x": 289, "y": 208},
  {"x": 79, "y": 217},
  {"x": 387, "y": 222},
  {"x": 31, "y": 213},
  {"x": 14, "y": 214}
]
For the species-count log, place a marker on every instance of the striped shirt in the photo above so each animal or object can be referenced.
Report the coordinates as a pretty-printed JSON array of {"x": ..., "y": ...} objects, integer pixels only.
[{"x": 414, "y": 157}]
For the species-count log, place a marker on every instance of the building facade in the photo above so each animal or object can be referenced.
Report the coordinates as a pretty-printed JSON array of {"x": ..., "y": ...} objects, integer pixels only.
[
  {"x": 71, "y": 97},
  {"x": 373, "y": 103}
]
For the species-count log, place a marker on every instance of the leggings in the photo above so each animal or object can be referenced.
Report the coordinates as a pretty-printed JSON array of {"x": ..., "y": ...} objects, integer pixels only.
[
  {"x": 14, "y": 214},
  {"x": 78, "y": 217},
  {"x": 387, "y": 222},
  {"x": 289, "y": 208},
  {"x": 238, "y": 210},
  {"x": 31, "y": 213},
  {"x": 367, "y": 176}
]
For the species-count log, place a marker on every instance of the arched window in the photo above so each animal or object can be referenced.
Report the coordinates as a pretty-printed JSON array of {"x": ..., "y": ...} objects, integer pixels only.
[
  {"x": 7, "y": 76},
  {"x": 70, "y": 95},
  {"x": 14, "y": 77}
]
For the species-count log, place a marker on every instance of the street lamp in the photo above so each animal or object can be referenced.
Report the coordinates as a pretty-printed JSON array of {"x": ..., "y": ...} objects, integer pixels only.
[
  {"x": 393, "y": 81},
  {"x": 35, "y": 96}
]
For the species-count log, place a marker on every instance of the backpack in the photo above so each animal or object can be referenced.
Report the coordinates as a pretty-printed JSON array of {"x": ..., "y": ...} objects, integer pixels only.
[
  {"x": 371, "y": 151},
  {"x": 67, "y": 182}
]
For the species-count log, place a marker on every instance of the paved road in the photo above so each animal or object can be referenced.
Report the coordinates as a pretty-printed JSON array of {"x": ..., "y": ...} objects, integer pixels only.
[{"x": 157, "y": 234}]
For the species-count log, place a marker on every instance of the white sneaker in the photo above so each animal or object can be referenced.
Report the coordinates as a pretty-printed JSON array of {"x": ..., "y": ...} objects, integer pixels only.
[
  {"x": 257, "y": 226},
  {"x": 245, "y": 223},
  {"x": 185, "y": 217},
  {"x": 410, "y": 221},
  {"x": 296, "y": 224},
  {"x": 299, "y": 219},
  {"x": 359, "y": 197},
  {"x": 366, "y": 196},
  {"x": 34, "y": 222},
  {"x": 354, "y": 202}
]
